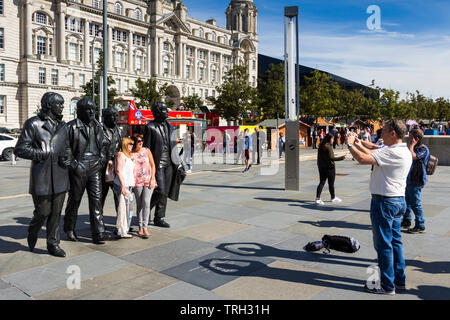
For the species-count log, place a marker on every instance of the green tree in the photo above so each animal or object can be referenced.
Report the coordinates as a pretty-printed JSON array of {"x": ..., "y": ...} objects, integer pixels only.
[
  {"x": 235, "y": 96},
  {"x": 351, "y": 104},
  {"x": 192, "y": 102},
  {"x": 320, "y": 95},
  {"x": 87, "y": 88},
  {"x": 442, "y": 107},
  {"x": 147, "y": 92},
  {"x": 271, "y": 92}
]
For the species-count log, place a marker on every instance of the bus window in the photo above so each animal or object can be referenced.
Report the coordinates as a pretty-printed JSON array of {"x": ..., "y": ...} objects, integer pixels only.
[{"x": 122, "y": 105}]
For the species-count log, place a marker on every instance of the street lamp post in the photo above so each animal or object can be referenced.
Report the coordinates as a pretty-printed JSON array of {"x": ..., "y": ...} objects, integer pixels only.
[
  {"x": 292, "y": 152},
  {"x": 105, "y": 57}
]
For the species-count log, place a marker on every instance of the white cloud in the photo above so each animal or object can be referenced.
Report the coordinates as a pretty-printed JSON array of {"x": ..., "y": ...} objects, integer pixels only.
[{"x": 395, "y": 61}]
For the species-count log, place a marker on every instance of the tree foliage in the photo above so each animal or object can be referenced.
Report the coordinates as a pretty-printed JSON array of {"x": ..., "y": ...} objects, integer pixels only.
[
  {"x": 147, "y": 92},
  {"x": 87, "y": 88},
  {"x": 235, "y": 96},
  {"x": 271, "y": 92},
  {"x": 192, "y": 102}
]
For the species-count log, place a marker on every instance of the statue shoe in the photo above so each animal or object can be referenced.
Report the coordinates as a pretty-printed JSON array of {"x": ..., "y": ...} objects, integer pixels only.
[
  {"x": 32, "y": 239},
  {"x": 98, "y": 239},
  {"x": 56, "y": 251},
  {"x": 161, "y": 223},
  {"x": 72, "y": 236}
]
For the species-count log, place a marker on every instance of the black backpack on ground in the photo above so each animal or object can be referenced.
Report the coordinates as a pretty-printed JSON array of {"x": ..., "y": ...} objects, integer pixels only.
[{"x": 341, "y": 243}]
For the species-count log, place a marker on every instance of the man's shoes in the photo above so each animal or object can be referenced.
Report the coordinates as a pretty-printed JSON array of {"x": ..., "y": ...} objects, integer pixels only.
[
  {"x": 379, "y": 290},
  {"x": 161, "y": 223},
  {"x": 336, "y": 200},
  {"x": 400, "y": 287},
  {"x": 72, "y": 236},
  {"x": 56, "y": 251},
  {"x": 32, "y": 239},
  {"x": 320, "y": 202},
  {"x": 98, "y": 239},
  {"x": 245, "y": 170},
  {"x": 406, "y": 224},
  {"x": 416, "y": 230}
]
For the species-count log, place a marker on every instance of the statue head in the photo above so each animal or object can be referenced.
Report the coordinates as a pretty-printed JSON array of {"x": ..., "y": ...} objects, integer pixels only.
[
  {"x": 160, "y": 111},
  {"x": 52, "y": 104},
  {"x": 110, "y": 116},
  {"x": 86, "y": 110}
]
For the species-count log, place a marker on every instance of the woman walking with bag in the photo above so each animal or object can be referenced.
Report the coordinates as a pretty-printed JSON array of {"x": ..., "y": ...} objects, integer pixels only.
[
  {"x": 145, "y": 182},
  {"x": 327, "y": 170},
  {"x": 123, "y": 184}
]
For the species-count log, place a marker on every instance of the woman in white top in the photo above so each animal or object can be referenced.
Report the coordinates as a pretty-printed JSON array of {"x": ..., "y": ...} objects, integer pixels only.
[{"x": 123, "y": 185}]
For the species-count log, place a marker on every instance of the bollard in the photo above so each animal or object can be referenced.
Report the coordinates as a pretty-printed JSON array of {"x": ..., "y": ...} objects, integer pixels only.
[{"x": 13, "y": 160}]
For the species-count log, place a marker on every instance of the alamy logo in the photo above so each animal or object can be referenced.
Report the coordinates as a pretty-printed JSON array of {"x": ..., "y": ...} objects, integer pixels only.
[
  {"x": 373, "y": 281},
  {"x": 374, "y": 21},
  {"x": 74, "y": 280}
]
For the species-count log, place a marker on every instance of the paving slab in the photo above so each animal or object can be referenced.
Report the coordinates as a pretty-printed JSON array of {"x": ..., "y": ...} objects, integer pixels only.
[
  {"x": 216, "y": 269},
  {"x": 170, "y": 254},
  {"x": 39, "y": 280},
  {"x": 13, "y": 294},
  {"x": 210, "y": 231},
  {"x": 182, "y": 221},
  {"x": 273, "y": 220},
  {"x": 125, "y": 284},
  {"x": 182, "y": 291},
  {"x": 257, "y": 235}
]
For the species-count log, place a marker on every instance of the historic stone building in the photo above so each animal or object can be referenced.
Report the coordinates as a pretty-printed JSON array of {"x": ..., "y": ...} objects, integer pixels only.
[{"x": 50, "y": 45}]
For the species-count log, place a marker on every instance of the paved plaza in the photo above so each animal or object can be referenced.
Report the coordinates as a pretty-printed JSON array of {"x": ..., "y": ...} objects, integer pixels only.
[{"x": 232, "y": 236}]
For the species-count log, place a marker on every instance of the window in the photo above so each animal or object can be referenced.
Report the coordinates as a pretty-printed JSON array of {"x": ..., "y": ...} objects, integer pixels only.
[
  {"x": 213, "y": 93},
  {"x": 118, "y": 33},
  {"x": 201, "y": 54},
  {"x": 113, "y": 34},
  {"x": 2, "y": 41},
  {"x": 81, "y": 80},
  {"x": 188, "y": 72},
  {"x": 97, "y": 31},
  {"x": 96, "y": 54},
  {"x": 126, "y": 85},
  {"x": 73, "y": 52},
  {"x": 206, "y": 93},
  {"x": 201, "y": 93},
  {"x": 138, "y": 13},
  {"x": 201, "y": 73},
  {"x": 73, "y": 106},
  {"x": 201, "y": 33},
  {"x": 166, "y": 67},
  {"x": 2, "y": 105},
  {"x": 2, "y": 72},
  {"x": 124, "y": 36},
  {"x": 119, "y": 59},
  {"x": 213, "y": 75},
  {"x": 213, "y": 36},
  {"x": 70, "y": 77},
  {"x": 81, "y": 53},
  {"x": 118, "y": 8},
  {"x": 193, "y": 91},
  {"x": 96, "y": 4},
  {"x": 1, "y": 6},
  {"x": 42, "y": 76},
  {"x": 41, "y": 45},
  {"x": 139, "y": 63},
  {"x": 50, "y": 47},
  {"x": 189, "y": 51},
  {"x": 41, "y": 18},
  {"x": 118, "y": 85},
  {"x": 165, "y": 46},
  {"x": 254, "y": 65},
  {"x": 253, "y": 81},
  {"x": 54, "y": 77}
]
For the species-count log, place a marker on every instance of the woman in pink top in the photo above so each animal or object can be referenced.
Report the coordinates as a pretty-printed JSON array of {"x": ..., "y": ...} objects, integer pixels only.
[{"x": 145, "y": 182}]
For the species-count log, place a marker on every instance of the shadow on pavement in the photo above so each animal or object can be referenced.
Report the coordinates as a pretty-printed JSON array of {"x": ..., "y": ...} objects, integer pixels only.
[
  {"x": 337, "y": 224},
  {"x": 231, "y": 187},
  {"x": 435, "y": 267},
  {"x": 240, "y": 268},
  {"x": 308, "y": 204},
  {"x": 261, "y": 250}
]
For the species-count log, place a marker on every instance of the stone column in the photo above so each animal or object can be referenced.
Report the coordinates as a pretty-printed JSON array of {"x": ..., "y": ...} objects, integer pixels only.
[
  {"x": 61, "y": 33},
  {"x": 158, "y": 50},
  {"x": 86, "y": 43},
  {"x": 28, "y": 46},
  {"x": 195, "y": 65},
  {"x": 130, "y": 53},
  {"x": 180, "y": 60},
  {"x": 183, "y": 63},
  {"x": 149, "y": 56},
  {"x": 110, "y": 53},
  {"x": 219, "y": 72}
]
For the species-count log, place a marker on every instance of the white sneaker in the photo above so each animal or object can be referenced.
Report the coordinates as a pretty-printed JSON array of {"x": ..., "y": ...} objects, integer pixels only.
[
  {"x": 336, "y": 200},
  {"x": 189, "y": 171},
  {"x": 320, "y": 202}
]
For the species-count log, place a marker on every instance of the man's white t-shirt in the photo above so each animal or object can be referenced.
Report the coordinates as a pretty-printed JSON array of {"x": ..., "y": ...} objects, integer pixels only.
[{"x": 389, "y": 174}]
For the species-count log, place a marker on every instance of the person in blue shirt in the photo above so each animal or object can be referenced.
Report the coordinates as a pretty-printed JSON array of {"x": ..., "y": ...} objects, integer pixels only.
[
  {"x": 417, "y": 178},
  {"x": 247, "y": 149}
]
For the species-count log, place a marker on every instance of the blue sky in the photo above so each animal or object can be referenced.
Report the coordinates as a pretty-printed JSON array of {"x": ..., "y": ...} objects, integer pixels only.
[{"x": 411, "y": 51}]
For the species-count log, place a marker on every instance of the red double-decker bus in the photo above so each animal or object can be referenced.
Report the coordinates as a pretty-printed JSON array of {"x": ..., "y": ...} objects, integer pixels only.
[{"x": 132, "y": 119}]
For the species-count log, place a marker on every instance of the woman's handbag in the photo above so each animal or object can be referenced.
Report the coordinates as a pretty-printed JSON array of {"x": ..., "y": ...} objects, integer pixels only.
[{"x": 109, "y": 174}]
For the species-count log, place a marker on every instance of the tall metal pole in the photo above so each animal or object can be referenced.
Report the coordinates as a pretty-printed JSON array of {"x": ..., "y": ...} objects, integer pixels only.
[
  {"x": 291, "y": 72},
  {"x": 93, "y": 69},
  {"x": 105, "y": 56},
  {"x": 285, "y": 72},
  {"x": 297, "y": 91}
]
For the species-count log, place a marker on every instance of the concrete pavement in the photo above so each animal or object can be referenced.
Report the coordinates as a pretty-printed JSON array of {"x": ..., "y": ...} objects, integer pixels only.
[{"x": 232, "y": 236}]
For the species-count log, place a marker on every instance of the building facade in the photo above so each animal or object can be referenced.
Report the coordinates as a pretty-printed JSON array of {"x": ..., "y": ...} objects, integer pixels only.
[{"x": 52, "y": 45}]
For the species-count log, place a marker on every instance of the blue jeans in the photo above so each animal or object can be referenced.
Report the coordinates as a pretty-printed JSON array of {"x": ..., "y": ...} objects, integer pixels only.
[
  {"x": 414, "y": 204},
  {"x": 386, "y": 216}
]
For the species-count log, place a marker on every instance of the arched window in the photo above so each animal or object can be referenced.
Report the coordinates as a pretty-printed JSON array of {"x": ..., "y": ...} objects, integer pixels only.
[
  {"x": 225, "y": 39},
  {"x": 73, "y": 106},
  {"x": 201, "y": 33},
  {"x": 41, "y": 18},
  {"x": 118, "y": 8},
  {"x": 138, "y": 13},
  {"x": 213, "y": 36}
]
